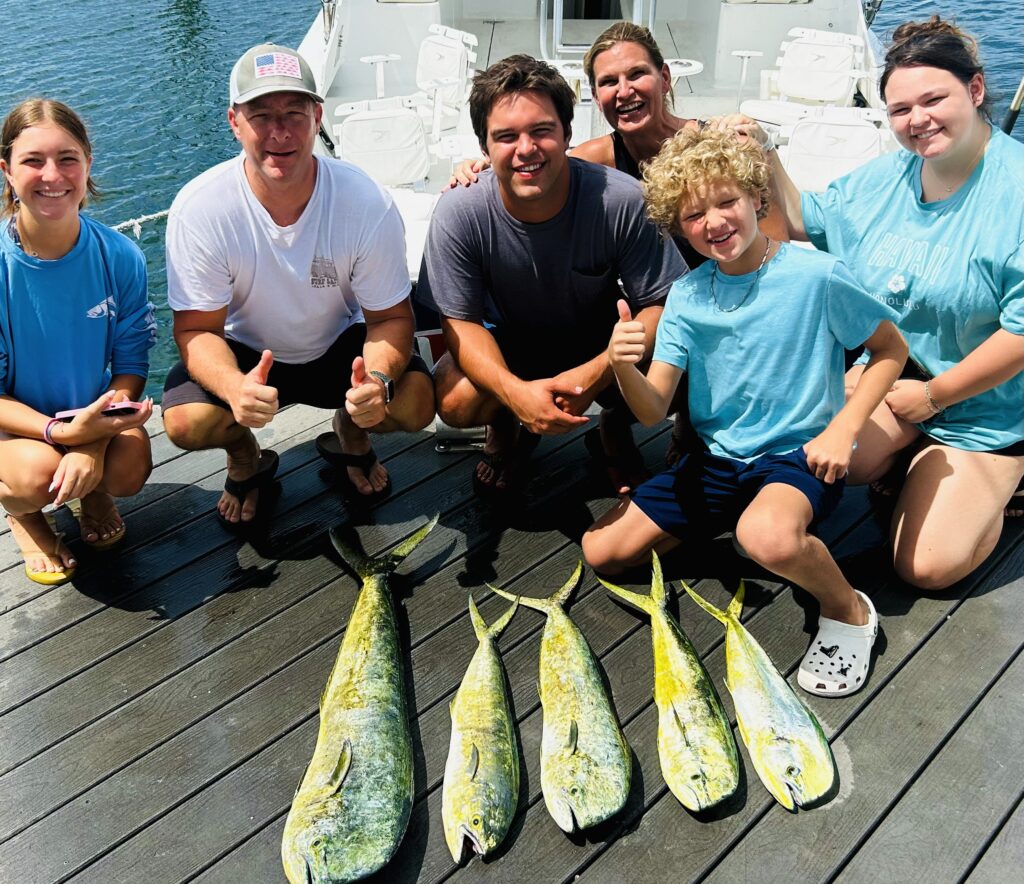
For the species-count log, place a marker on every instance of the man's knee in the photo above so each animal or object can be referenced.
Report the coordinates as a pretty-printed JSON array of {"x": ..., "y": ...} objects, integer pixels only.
[
  {"x": 194, "y": 427},
  {"x": 416, "y": 410}
]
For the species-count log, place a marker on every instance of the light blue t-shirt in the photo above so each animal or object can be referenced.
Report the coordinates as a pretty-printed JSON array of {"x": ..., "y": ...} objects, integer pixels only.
[
  {"x": 953, "y": 269},
  {"x": 67, "y": 325},
  {"x": 767, "y": 376}
]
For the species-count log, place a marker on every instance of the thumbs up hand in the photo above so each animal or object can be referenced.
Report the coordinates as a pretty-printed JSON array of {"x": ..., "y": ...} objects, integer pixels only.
[
  {"x": 364, "y": 400},
  {"x": 255, "y": 403},
  {"x": 629, "y": 339}
]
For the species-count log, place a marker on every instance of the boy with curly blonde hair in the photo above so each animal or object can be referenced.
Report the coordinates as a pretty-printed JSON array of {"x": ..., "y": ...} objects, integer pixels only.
[{"x": 761, "y": 330}]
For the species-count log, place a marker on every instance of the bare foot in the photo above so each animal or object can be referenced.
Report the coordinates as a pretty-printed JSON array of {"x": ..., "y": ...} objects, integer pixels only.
[
  {"x": 242, "y": 465},
  {"x": 354, "y": 440},
  {"x": 36, "y": 539},
  {"x": 508, "y": 448},
  {"x": 100, "y": 520},
  {"x": 619, "y": 455}
]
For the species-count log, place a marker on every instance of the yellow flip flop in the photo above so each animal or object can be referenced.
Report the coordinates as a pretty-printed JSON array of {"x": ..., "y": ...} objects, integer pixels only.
[
  {"x": 47, "y": 578},
  {"x": 114, "y": 539}
]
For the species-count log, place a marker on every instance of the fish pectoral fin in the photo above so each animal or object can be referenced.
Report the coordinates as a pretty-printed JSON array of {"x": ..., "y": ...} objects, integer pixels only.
[
  {"x": 474, "y": 763},
  {"x": 680, "y": 725},
  {"x": 341, "y": 771},
  {"x": 574, "y": 735}
]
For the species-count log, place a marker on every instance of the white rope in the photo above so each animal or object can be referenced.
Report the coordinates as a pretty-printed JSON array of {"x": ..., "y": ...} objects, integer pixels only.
[{"x": 136, "y": 223}]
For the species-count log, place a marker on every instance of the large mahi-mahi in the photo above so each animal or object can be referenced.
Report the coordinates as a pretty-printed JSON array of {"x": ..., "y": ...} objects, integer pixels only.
[
  {"x": 353, "y": 805},
  {"x": 783, "y": 738},
  {"x": 698, "y": 755},
  {"x": 481, "y": 776},
  {"x": 585, "y": 762}
]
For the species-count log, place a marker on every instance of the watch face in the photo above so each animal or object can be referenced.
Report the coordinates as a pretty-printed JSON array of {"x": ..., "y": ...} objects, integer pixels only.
[{"x": 389, "y": 385}]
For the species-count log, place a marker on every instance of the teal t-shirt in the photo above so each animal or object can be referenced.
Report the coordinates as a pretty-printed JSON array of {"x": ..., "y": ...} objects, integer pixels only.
[
  {"x": 953, "y": 269},
  {"x": 765, "y": 362}
]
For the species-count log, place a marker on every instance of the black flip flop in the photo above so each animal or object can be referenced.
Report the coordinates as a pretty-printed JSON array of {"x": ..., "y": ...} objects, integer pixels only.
[
  {"x": 261, "y": 480},
  {"x": 329, "y": 448}
]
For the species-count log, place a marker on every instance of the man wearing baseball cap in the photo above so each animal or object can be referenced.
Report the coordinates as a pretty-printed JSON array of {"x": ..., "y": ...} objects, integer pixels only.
[{"x": 287, "y": 276}]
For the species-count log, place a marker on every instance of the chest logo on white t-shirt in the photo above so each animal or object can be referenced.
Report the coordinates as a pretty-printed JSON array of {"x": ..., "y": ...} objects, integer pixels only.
[{"x": 323, "y": 274}]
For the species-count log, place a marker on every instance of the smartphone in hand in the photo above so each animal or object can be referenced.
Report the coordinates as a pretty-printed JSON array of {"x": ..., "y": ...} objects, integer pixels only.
[{"x": 115, "y": 409}]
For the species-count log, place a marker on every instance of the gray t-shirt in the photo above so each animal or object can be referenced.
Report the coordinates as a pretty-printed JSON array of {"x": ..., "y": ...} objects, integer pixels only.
[{"x": 549, "y": 288}]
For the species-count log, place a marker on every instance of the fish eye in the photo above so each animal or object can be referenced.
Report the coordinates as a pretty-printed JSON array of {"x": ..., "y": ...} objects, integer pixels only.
[
  {"x": 695, "y": 777},
  {"x": 575, "y": 790},
  {"x": 792, "y": 770},
  {"x": 476, "y": 821}
]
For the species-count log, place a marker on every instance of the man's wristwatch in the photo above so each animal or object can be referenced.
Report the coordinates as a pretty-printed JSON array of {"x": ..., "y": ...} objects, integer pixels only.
[{"x": 389, "y": 385}]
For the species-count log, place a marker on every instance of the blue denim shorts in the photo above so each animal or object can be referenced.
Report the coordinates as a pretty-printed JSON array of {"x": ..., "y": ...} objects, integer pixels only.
[{"x": 705, "y": 495}]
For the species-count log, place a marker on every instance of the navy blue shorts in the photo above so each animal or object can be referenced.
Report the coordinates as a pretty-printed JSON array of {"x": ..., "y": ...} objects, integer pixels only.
[{"x": 705, "y": 495}]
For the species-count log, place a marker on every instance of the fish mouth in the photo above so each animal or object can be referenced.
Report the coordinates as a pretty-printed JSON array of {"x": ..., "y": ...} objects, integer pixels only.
[
  {"x": 563, "y": 814},
  {"x": 467, "y": 835}
]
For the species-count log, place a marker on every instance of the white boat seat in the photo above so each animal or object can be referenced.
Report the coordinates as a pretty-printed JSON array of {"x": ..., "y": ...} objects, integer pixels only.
[
  {"x": 389, "y": 144},
  {"x": 815, "y": 68},
  {"x": 823, "y": 149},
  {"x": 446, "y": 57}
]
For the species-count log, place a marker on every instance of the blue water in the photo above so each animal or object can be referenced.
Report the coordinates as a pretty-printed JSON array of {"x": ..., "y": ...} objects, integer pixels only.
[{"x": 150, "y": 79}]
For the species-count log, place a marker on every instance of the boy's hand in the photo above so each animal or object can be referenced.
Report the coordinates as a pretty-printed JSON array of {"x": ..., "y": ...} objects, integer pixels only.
[
  {"x": 628, "y": 340},
  {"x": 908, "y": 402},
  {"x": 829, "y": 454}
]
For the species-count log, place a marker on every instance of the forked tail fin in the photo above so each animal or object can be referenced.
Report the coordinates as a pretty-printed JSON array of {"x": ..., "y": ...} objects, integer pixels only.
[
  {"x": 480, "y": 626},
  {"x": 731, "y": 613},
  {"x": 556, "y": 601},
  {"x": 367, "y": 566},
  {"x": 646, "y": 603}
]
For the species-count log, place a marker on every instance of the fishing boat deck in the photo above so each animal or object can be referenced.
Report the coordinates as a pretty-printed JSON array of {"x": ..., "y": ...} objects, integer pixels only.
[{"x": 157, "y": 713}]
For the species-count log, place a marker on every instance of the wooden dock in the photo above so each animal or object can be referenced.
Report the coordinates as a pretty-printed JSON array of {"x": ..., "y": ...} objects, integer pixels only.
[{"x": 157, "y": 713}]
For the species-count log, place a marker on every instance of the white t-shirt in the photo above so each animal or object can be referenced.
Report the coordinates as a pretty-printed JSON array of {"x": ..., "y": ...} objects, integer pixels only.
[{"x": 292, "y": 289}]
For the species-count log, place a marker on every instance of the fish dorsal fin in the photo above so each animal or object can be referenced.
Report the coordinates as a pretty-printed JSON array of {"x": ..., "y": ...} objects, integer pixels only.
[
  {"x": 364, "y": 565},
  {"x": 707, "y": 606},
  {"x": 642, "y": 602},
  {"x": 574, "y": 735},
  {"x": 341, "y": 771},
  {"x": 658, "y": 593},
  {"x": 474, "y": 762}
]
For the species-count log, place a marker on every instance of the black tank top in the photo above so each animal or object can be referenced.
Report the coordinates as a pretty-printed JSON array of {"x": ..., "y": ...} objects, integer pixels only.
[{"x": 624, "y": 162}]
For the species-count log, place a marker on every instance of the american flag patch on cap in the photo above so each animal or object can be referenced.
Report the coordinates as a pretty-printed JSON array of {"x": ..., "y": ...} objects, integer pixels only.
[{"x": 277, "y": 64}]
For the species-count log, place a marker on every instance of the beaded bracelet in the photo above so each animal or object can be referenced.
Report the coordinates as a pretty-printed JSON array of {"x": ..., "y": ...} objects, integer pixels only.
[
  {"x": 48, "y": 432},
  {"x": 932, "y": 404}
]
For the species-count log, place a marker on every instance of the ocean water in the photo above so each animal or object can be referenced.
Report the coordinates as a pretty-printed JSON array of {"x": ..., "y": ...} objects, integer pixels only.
[{"x": 150, "y": 79}]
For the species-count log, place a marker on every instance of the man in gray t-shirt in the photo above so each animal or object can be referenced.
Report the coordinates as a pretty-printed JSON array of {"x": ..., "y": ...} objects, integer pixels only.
[{"x": 524, "y": 269}]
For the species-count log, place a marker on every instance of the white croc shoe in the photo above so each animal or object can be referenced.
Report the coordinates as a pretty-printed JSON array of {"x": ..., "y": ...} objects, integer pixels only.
[{"x": 837, "y": 661}]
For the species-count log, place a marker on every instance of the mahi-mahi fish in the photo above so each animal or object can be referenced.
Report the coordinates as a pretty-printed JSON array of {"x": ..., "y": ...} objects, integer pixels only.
[
  {"x": 585, "y": 762},
  {"x": 481, "y": 777},
  {"x": 783, "y": 738},
  {"x": 699, "y": 760},
  {"x": 353, "y": 804}
]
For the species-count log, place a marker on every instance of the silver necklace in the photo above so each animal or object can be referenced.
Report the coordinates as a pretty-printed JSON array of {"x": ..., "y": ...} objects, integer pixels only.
[{"x": 750, "y": 288}]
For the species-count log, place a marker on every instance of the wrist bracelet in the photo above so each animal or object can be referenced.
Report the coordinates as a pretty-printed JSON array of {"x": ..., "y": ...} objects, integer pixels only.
[
  {"x": 48, "y": 432},
  {"x": 932, "y": 404}
]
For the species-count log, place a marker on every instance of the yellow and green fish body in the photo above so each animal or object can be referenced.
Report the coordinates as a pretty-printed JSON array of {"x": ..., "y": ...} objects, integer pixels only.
[
  {"x": 698, "y": 755},
  {"x": 481, "y": 776},
  {"x": 352, "y": 807},
  {"x": 783, "y": 738},
  {"x": 585, "y": 762}
]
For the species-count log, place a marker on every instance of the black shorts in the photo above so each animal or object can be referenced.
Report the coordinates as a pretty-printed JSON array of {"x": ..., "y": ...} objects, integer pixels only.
[{"x": 321, "y": 383}]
